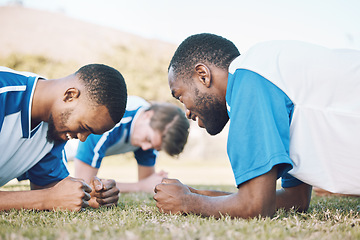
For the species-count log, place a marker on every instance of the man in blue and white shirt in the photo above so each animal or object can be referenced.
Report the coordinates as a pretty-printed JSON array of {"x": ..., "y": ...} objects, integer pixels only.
[
  {"x": 145, "y": 129},
  {"x": 294, "y": 113},
  {"x": 38, "y": 116}
]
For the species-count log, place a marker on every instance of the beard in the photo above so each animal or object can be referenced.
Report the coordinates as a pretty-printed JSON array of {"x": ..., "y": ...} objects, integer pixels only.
[
  {"x": 53, "y": 136},
  {"x": 213, "y": 113}
]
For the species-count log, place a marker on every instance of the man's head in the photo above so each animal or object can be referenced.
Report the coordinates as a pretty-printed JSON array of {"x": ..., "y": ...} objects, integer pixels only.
[
  {"x": 198, "y": 75},
  {"x": 105, "y": 86},
  {"x": 93, "y": 101},
  {"x": 163, "y": 126}
]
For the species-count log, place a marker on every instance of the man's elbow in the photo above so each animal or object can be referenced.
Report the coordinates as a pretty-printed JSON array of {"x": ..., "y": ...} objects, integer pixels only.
[
  {"x": 263, "y": 210},
  {"x": 297, "y": 198},
  {"x": 256, "y": 209},
  {"x": 303, "y": 204}
]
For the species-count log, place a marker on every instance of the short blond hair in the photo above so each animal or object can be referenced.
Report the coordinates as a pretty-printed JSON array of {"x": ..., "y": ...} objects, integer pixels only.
[{"x": 173, "y": 125}]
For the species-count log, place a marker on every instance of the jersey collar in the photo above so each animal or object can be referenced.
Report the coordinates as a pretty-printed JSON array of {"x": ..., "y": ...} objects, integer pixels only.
[{"x": 26, "y": 109}]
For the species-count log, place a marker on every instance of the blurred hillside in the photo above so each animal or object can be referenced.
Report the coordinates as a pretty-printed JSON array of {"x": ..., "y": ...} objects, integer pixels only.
[{"x": 54, "y": 45}]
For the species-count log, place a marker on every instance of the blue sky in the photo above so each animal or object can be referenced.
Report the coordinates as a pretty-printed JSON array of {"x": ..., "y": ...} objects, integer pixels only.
[{"x": 332, "y": 23}]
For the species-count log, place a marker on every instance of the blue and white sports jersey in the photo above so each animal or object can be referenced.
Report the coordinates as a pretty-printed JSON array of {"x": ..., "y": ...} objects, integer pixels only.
[
  {"x": 25, "y": 151},
  {"x": 259, "y": 132},
  {"x": 118, "y": 139},
  {"x": 301, "y": 104}
]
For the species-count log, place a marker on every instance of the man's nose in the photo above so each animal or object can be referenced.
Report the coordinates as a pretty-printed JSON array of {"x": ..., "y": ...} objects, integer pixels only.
[
  {"x": 188, "y": 113},
  {"x": 83, "y": 136}
]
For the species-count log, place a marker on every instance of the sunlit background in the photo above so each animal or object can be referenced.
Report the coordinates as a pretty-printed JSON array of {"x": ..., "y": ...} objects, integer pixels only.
[
  {"x": 332, "y": 23},
  {"x": 56, "y": 37}
]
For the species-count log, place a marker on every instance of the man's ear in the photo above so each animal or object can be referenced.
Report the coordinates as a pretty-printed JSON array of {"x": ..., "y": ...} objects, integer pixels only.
[
  {"x": 203, "y": 74},
  {"x": 148, "y": 114},
  {"x": 71, "y": 94}
]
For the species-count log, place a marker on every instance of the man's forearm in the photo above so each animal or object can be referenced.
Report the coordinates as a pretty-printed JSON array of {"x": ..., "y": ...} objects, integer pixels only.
[
  {"x": 34, "y": 199},
  {"x": 231, "y": 204},
  {"x": 37, "y": 187},
  {"x": 253, "y": 198},
  {"x": 70, "y": 193},
  {"x": 210, "y": 193}
]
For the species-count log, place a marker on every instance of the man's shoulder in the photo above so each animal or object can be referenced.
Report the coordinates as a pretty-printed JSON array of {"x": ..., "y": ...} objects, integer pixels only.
[
  {"x": 11, "y": 82},
  {"x": 16, "y": 93},
  {"x": 135, "y": 105},
  {"x": 11, "y": 72},
  {"x": 135, "y": 102}
]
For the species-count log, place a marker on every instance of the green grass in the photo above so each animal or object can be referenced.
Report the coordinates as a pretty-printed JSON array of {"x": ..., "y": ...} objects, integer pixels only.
[{"x": 136, "y": 217}]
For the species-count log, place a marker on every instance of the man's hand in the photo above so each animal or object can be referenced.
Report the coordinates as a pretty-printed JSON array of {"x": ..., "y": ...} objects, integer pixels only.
[
  {"x": 148, "y": 184},
  {"x": 170, "y": 196},
  {"x": 70, "y": 193},
  {"x": 105, "y": 192}
]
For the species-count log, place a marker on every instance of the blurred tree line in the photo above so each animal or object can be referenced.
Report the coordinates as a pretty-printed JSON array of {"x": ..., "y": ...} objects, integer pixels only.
[{"x": 144, "y": 70}]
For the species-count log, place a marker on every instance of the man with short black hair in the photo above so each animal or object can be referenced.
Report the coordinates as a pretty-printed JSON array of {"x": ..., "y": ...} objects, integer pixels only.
[
  {"x": 294, "y": 110},
  {"x": 38, "y": 116}
]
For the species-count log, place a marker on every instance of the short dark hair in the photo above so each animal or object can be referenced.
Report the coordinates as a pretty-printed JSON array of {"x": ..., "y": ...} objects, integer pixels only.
[
  {"x": 204, "y": 47},
  {"x": 105, "y": 86},
  {"x": 173, "y": 125}
]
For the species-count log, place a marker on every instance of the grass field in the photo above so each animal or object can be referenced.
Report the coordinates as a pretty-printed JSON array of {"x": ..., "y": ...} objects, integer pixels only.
[{"x": 136, "y": 216}]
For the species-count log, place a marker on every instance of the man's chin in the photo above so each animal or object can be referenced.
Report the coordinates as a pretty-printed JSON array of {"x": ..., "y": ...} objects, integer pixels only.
[
  {"x": 214, "y": 131},
  {"x": 215, "y": 128},
  {"x": 55, "y": 140}
]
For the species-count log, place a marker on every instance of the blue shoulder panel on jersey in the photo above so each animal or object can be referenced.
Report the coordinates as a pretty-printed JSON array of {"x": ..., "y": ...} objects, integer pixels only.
[
  {"x": 10, "y": 100},
  {"x": 93, "y": 150},
  {"x": 86, "y": 151},
  {"x": 259, "y": 133},
  {"x": 15, "y": 92}
]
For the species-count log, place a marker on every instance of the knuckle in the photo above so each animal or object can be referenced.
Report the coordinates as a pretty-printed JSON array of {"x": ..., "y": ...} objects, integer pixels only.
[
  {"x": 79, "y": 203},
  {"x": 100, "y": 194},
  {"x": 157, "y": 188},
  {"x": 100, "y": 201}
]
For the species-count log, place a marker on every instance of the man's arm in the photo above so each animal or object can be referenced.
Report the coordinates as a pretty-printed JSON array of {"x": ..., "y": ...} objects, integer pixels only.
[
  {"x": 70, "y": 193},
  {"x": 255, "y": 197},
  {"x": 148, "y": 179},
  {"x": 298, "y": 197},
  {"x": 144, "y": 171},
  {"x": 210, "y": 193},
  {"x": 84, "y": 171}
]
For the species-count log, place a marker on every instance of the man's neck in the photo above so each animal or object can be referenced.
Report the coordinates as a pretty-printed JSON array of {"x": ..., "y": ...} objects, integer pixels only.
[{"x": 41, "y": 102}]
